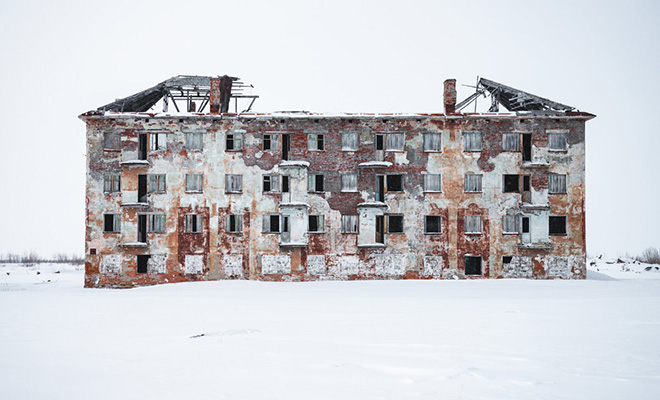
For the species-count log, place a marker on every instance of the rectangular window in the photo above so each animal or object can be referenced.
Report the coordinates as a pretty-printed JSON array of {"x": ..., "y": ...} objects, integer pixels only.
[
  {"x": 315, "y": 183},
  {"x": 510, "y": 224},
  {"x": 556, "y": 183},
  {"x": 432, "y": 183},
  {"x": 316, "y": 223},
  {"x": 472, "y": 265},
  {"x": 194, "y": 183},
  {"x": 394, "y": 142},
  {"x": 234, "y": 141},
  {"x": 194, "y": 141},
  {"x": 394, "y": 183},
  {"x": 111, "y": 141},
  {"x": 315, "y": 141},
  {"x": 511, "y": 183},
  {"x": 111, "y": 183},
  {"x": 349, "y": 182},
  {"x": 233, "y": 183},
  {"x": 395, "y": 223},
  {"x": 557, "y": 225},
  {"x": 472, "y": 183},
  {"x": 557, "y": 141},
  {"x": 111, "y": 223},
  {"x": 271, "y": 223},
  {"x": 156, "y": 183},
  {"x": 472, "y": 141},
  {"x": 349, "y": 223},
  {"x": 270, "y": 141},
  {"x": 271, "y": 184},
  {"x": 432, "y": 224},
  {"x": 156, "y": 223},
  {"x": 473, "y": 224},
  {"x": 349, "y": 141},
  {"x": 193, "y": 223},
  {"x": 234, "y": 223},
  {"x": 432, "y": 142},
  {"x": 511, "y": 141},
  {"x": 157, "y": 141}
]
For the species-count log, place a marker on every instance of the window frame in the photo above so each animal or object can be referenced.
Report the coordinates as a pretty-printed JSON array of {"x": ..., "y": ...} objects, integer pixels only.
[
  {"x": 426, "y": 183},
  {"x": 160, "y": 180},
  {"x": 236, "y": 138},
  {"x": 504, "y": 183},
  {"x": 426, "y": 225},
  {"x": 466, "y": 224},
  {"x": 389, "y": 223},
  {"x": 465, "y": 141},
  {"x": 562, "y": 135},
  {"x": 550, "y": 224},
  {"x": 506, "y": 143},
  {"x": 273, "y": 141},
  {"x": 193, "y": 223},
  {"x": 316, "y": 141},
  {"x": 273, "y": 181},
  {"x": 111, "y": 183},
  {"x": 187, "y": 184},
  {"x": 428, "y": 144},
  {"x": 269, "y": 217},
  {"x": 517, "y": 223},
  {"x": 191, "y": 144},
  {"x": 345, "y": 222},
  {"x": 387, "y": 183},
  {"x": 237, "y": 223},
  {"x": 116, "y": 222},
  {"x": 465, "y": 183},
  {"x": 320, "y": 223},
  {"x": 563, "y": 183},
  {"x": 344, "y": 177},
  {"x": 230, "y": 183},
  {"x": 112, "y": 138},
  {"x": 343, "y": 141},
  {"x": 157, "y": 141},
  {"x": 312, "y": 182},
  {"x": 387, "y": 142},
  {"x": 156, "y": 223}
]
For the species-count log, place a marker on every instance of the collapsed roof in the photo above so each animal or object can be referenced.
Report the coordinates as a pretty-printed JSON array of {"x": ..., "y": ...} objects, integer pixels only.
[{"x": 186, "y": 88}]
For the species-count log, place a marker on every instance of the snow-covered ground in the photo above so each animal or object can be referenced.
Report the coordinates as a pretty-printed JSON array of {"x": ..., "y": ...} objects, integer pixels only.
[{"x": 476, "y": 339}]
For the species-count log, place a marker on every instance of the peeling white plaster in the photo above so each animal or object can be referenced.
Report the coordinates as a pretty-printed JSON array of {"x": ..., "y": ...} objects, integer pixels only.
[
  {"x": 432, "y": 266},
  {"x": 275, "y": 264},
  {"x": 194, "y": 264},
  {"x": 157, "y": 264},
  {"x": 519, "y": 267},
  {"x": 349, "y": 265},
  {"x": 389, "y": 264},
  {"x": 316, "y": 265},
  {"x": 233, "y": 265},
  {"x": 111, "y": 264}
]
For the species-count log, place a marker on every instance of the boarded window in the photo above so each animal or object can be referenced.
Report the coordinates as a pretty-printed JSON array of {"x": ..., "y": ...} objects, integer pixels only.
[
  {"x": 556, "y": 183},
  {"x": 472, "y": 265},
  {"x": 111, "y": 223},
  {"x": 395, "y": 223},
  {"x": 473, "y": 224},
  {"x": 432, "y": 224},
  {"x": 194, "y": 182},
  {"x": 349, "y": 223},
  {"x": 111, "y": 183},
  {"x": 511, "y": 142},
  {"x": 271, "y": 223},
  {"x": 557, "y": 141},
  {"x": 315, "y": 141},
  {"x": 111, "y": 141},
  {"x": 193, "y": 223},
  {"x": 234, "y": 141},
  {"x": 270, "y": 141},
  {"x": 394, "y": 183},
  {"x": 157, "y": 141},
  {"x": 349, "y": 182},
  {"x": 194, "y": 141},
  {"x": 432, "y": 183},
  {"x": 315, "y": 183},
  {"x": 395, "y": 142},
  {"x": 511, "y": 183},
  {"x": 349, "y": 141},
  {"x": 557, "y": 225},
  {"x": 271, "y": 184},
  {"x": 316, "y": 223},
  {"x": 156, "y": 183},
  {"x": 156, "y": 223},
  {"x": 234, "y": 223},
  {"x": 432, "y": 142},
  {"x": 472, "y": 183},
  {"x": 233, "y": 183},
  {"x": 472, "y": 141},
  {"x": 510, "y": 224}
]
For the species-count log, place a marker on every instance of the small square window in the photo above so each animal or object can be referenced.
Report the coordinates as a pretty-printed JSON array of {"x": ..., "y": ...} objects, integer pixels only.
[
  {"x": 315, "y": 141},
  {"x": 156, "y": 223},
  {"x": 394, "y": 183},
  {"x": 511, "y": 183},
  {"x": 194, "y": 183},
  {"x": 271, "y": 184},
  {"x": 316, "y": 223},
  {"x": 556, "y": 184},
  {"x": 193, "y": 223},
  {"x": 511, "y": 142},
  {"x": 315, "y": 183},
  {"x": 111, "y": 183},
  {"x": 234, "y": 223},
  {"x": 349, "y": 223},
  {"x": 111, "y": 141},
  {"x": 349, "y": 182},
  {"x": 472, "y": 141},
  {"x": 473, "y": 183},
  {"x": 432, "y": 142},
  {"x": 156, "y": 183},
  {"x": 557, "y": 141},
  {"x": 349, "y": 141},
  {"x": 557, "y": 225},
  {"x": 472, "y": 265},
  {"x": 157, "y": 141},
  {"x": 194, "y": 141},
  {"x": 395, "y": 223},
  {"x": 473, "y": 224},
  {"x": 432, "y": 224},
  {"x": 111, "y": 223},
  {"x": 234, "y": 141},
  {"x": 233, "y": 183},
  {"x": 432, "y": 183}
]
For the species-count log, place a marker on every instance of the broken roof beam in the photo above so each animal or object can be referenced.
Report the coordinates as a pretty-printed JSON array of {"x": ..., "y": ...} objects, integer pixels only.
[{"x": 517, "y": 100}]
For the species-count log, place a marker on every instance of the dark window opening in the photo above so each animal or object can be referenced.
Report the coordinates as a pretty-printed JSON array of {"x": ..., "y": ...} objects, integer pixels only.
[
  {"x": 266, "y": 184},
  {"x": 319, "y": 142},
  {"x": 285, "y": 224},
  {"x": 395, "y": 224},
  {"x": 526, "y": 184},
  {"x": 111, "y": 222},
  {"x": 558, "y": 225},
  {"x": 380, "y": 188},
  {"x": 92, "y": 252},
  {"x": 472, "y": 265},
  {"x": 432, "y": 224},
  {"x": 527, "y": 147},
  {"x": 267, "y": 143},
  {"x": 142, "y": 188},
  {"x": 230, "y": 142},
  {"x": 511, "y": 183},
  {"x": 506, "y": 259},
  {"x": 142, "y": 229},
  {"x": 380, "y": 142},
  {"x": 380, "y": 229},
  {"x": 395, "y": 183},
  {"x": 274, "y": 223},
  {"x": 525, "y": 225},
  {"x": 285, "y": 183},
  {"x": 313, "y": 223},
  {"x": 286, "y": 146},
  {"x": 142, "y": 263},
  {"x": 142, "y": 146}
]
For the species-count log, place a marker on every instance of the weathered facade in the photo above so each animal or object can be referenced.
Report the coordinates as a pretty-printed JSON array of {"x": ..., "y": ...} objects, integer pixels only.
[{"x": 183, "y": 196}]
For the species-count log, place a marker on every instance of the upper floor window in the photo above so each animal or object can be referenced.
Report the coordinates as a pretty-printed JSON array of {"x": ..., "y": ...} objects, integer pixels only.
[
  {"x": 111, "y": 183},
  {"x": 194, "y": 182},
  {"x": 510, "y": 224},
  {"x": 432, "y": 183},
  {"x": 156, "y": 223},
  {"x": 472, "y": 183},
  {"x": 511, "y": 142},
  {"x": 111, "y": 223},
  {"x": 156, "y": 183},
  {"x": 556, "y": 183},
  {"x": 432, "y": 142},
  {"x": 557, "y": 224},
  {"x": 193, "y": 223},
  {"x": 394, "y": 183},
  {"x": 234, "y": 141},
  {"x": 349, "y": 141},
  {"x": 472, "y": 141},
  {"x": 557, "y": 141},
  {"x": 271, "y": 184},
  {"x": 395, "y": 142},
  {"x": 157, "y": 141},
  {"x": 395, "y": 223},
  {"x": 111, "y": 141},
  {"x": 349, "y": 223},
  {"x": 270, "y": 141},
  {"x": 316, "y": 223},
  {"x": 511, "y": 183},
  {"x": 315, "y": 141},
  {"x": 432, "y": 224},
  {"x": 473, "y": 224},
  {"x": 194, "y": 141},
  {"x": 349, "y": 182},
  {"x": 233, "y": 183},
  {"x": 271, "y": 223},
  {"x": 315, "y": 183},
  {"x": 234, "y": 223}
]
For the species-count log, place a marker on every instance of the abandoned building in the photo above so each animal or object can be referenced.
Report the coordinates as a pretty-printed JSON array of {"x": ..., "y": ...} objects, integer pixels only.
[{"x": 195, "y": 191}]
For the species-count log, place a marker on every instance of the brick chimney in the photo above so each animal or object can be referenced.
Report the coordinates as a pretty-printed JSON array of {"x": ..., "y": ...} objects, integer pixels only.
[
  {"x": 450, "y": 96},
  {"x": 215, "y": 96}
]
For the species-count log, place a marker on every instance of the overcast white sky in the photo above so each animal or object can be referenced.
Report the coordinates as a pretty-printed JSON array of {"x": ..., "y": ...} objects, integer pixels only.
[{"x": 62, "y": 58}]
